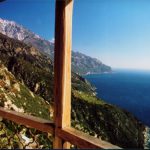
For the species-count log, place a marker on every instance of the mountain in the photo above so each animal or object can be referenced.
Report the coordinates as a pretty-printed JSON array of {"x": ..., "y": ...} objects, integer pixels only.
[
  {"x": 28, "y": 64},
  {"x": 81, "y": 63},
  {"x": 84, "y": 64},
  {"x": 14, "y": 95},
  {"x": 33, "y": 71},
  {"x": 16, "y": 31}
]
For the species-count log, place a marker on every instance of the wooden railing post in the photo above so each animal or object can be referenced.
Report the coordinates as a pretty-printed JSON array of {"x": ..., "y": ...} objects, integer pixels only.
[{"x": 62, "y": 67}]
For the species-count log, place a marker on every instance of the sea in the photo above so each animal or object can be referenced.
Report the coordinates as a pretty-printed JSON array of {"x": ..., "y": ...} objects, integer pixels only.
[{"x": 128, "y": 89}]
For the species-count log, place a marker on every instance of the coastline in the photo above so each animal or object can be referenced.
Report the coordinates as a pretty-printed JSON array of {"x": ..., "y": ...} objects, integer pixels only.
[{"x": 94, "y": 73}]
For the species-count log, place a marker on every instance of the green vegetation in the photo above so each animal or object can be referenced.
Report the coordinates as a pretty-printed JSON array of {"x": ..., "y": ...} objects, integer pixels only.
[
  {"x": 105, "y": 121},
  {"x": 87, "y": 97},
  {"x": 27, "y": 100},
  {"x": 33, "y": 71},
  {"x": 16, "y": 95},
  {"x": 14, "y": 136}
]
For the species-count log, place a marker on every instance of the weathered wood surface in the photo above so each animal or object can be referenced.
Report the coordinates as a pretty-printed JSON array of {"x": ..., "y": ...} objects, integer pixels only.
[
  {"x": 27, "y": 120},
  {"x": 62, "y": 68},
  {"x": 83, "y": 140},
  {"x": 62, "y": 65}
]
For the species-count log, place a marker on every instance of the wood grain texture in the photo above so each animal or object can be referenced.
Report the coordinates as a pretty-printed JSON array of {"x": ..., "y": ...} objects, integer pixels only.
[
  {"x": 62, "y": 68},
  {"x": 66, "y": 145},
  {"x": 62, "y": 62},
  {"x": 57, "y": 143},
  {"x": 83, "y": 140},
  {"x": 27, "y": 120}
]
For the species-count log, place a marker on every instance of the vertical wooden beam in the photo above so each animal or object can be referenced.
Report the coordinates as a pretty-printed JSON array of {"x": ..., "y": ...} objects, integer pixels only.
[{"x": 62, "y": 67}]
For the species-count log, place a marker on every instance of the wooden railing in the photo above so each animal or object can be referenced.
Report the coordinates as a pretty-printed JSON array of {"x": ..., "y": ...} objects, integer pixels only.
[
  {"x": 61, "y": 129},
  {"x": 69, "y": 134},
  {"x": 27, "y": 120}
]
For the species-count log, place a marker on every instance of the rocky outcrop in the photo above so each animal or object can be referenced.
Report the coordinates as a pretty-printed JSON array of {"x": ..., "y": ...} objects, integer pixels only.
[{"x": 16, "y": 96}]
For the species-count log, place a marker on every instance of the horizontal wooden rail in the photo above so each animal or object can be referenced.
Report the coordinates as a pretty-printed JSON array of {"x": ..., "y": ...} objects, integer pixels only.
[
  {"x": 83, "y": 140},
  {"x": 69, "y": 134},
  {"x": 27, "y": 120}
]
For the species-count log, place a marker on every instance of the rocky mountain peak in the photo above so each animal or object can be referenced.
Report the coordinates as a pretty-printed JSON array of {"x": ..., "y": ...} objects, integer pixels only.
[
  {"x": 15, "y": 30},
  {"x": 12, "y": 29}
]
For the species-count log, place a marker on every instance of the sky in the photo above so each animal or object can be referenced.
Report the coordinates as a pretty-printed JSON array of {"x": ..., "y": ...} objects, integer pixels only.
[
  {"x": 115, "y": 31},
  {"x": 36, "y": 15}
]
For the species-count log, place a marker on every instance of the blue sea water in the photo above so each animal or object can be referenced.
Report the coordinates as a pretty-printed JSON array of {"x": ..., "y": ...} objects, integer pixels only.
[{"x": 127, "y": 89}]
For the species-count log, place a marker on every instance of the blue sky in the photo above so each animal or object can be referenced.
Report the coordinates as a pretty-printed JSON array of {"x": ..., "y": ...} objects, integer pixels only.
[
  {"x": 114, "y": 31},
  {"x": 36, "y": 15}
]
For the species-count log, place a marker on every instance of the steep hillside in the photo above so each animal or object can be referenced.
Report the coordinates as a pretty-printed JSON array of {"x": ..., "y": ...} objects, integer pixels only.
[
  {"x": 81, "y": 63},
  {"x": 89, "y": 113},
  {"x": 105, "y": 121},
  {"x": 16, "y": 96},
  {"x": 23, "y": 60},
  {"x": 33, "y": 68}
]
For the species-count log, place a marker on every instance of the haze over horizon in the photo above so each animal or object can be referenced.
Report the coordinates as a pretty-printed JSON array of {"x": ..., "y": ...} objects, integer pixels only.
[{"x": 116, "y": 32}]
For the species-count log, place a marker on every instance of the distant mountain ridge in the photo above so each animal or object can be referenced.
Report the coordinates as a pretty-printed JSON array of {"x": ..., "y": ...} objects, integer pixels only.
[
  {"x": 84, "y": 64},
  {"x": 81, "y": 63}
]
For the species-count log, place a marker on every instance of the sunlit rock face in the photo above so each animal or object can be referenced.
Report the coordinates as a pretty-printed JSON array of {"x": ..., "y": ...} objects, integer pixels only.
[
  {"x": 16, "y": 31},
  {"x": 11, "y": 29}
]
